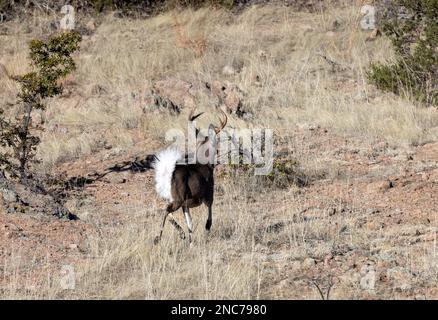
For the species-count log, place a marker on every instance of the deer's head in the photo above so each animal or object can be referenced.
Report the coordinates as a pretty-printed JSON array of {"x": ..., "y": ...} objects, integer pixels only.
[{"x": 206, "y": 145}]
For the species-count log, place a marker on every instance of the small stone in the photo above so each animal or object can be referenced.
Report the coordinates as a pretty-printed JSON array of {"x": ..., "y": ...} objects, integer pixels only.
[
  {"x": 309, "y": 263},
  {"x": 228, "y": 71},
  {"x": 174, "y": 92},
  {"x": 91, "y": 25},
  {"x": 262, "y": 54},
  {"x": 400, "y": 277},
  {"x": 3, "y": 30},
  {"x": 97, "y": 90},
  {"x": 373, "y": 35},
  {"x": 3, "y": 72},
  {"x": 307, "y": 126},
  {"x": 9, "y": 195},
  {"x": 336, "y": 24},
  {"x": 328, "y": 259},
  {"x": 116, "y": 178},
  {"x": 385, "y": 185}
]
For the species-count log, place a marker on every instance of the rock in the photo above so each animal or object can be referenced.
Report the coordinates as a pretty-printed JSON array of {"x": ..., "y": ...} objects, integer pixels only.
[
  {"x": 307, "y": 126},
  {"x": 91, "y": 25},
  {"x": 63, "y": 130},
  {"x": 233, "y": 101},
  {"x": 309, "y": 263},
  {"x": 327, "y": 259},
  {"x": 97, "y": 90},
  {"x": 335, "y": 25},
  {"x": 228, "y": 71},
  {"x": 305, "y": 28},
  {"x": 8, "y": 195},
  {"x": 262, "y": 54},
  {"x": 218, "y": 88},
  {"x": 163, "y": 103},
  {"x": 373, "y": 35},
  {"x": 229, "y": 94},
  {"x": 176, "y": 91},
  {"x": 116, "y": 178},
  {"x": 385, "y": 185},
  {"x": 3, "y": 30},
  {"x": 401, "y": 278},
  {"x": 4, "y": 72},
  {"x": 114, "y": 152},
  {"x": 386, "y": 255},
  {"x": 368, "y": 278},
  {"x": 37, "y": 118},
  {"x": 54, "y": 26}
]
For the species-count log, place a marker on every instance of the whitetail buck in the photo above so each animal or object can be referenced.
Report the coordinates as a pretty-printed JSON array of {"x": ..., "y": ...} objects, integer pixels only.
[{"x": 187, "y": 185}]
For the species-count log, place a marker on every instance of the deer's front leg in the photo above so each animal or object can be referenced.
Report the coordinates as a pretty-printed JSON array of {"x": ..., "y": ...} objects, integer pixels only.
[{"x": 158, "y": 238}]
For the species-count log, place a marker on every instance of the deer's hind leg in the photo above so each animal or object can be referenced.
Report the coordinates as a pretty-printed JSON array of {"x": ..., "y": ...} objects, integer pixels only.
[
  {"x": 170, "y": 208},
  {"x": 177, "y": 226}
]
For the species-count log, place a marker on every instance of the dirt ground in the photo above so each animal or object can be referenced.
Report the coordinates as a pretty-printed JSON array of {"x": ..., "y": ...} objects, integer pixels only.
[
  {"x": 364, "y": 226},
  {"x": 375, "y": 220}
]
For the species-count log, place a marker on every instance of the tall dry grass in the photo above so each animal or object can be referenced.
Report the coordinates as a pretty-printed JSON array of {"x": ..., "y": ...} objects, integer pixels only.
[{"x": 117, "y": 66}]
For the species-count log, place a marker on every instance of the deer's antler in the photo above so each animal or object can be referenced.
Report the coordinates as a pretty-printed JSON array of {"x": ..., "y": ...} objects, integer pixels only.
[
  {"x": 193, "y": 117},
  {"x": 223, "y": 122}
]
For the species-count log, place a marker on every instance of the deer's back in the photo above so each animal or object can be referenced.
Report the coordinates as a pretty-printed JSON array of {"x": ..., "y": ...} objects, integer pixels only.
[{"x": 193, "y": 183}]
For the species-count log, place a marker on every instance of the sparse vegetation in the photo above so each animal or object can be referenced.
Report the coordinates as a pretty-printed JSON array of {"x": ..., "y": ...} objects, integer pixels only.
[
  {"x": 285, "y": 172},
  {"x": 51, "y": 60},
  {"x": 412, "y": 27},
  {"x": 367, "y": 211}
]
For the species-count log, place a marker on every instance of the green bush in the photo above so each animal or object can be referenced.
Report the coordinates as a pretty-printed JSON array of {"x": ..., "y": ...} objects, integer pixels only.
[
  {"x": 51, "y": 61},
  {"x": 285, "y": 172},
  {"x": 414, "y": 36}
]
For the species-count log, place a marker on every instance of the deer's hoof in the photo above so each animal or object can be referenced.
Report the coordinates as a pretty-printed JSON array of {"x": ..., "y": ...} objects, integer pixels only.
[
  {"x": 208, "y": 225},
  {"x": 157, "y": 240}
]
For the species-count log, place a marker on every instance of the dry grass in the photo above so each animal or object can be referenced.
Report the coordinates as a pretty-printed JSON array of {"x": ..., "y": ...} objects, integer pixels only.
[
  {"x": 117, "y": 66},
  {"x": 296, "y": 84}
]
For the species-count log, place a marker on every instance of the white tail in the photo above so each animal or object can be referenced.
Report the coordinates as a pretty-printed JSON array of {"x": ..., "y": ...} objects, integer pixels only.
[{"x": 164, "y": 165}]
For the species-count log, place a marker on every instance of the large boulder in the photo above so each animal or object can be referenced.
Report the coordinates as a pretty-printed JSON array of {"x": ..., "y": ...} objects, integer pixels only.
[
  {"x": 175, "y": 91},
  {"x": 229, "y": 95}
]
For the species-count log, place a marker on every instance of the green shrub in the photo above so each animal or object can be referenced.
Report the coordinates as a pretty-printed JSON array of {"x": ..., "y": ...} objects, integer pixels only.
[
  {"x": 285, "y": 172},
  {"x": 414, "y": 36},
  {"x": 51, "y": 60}
]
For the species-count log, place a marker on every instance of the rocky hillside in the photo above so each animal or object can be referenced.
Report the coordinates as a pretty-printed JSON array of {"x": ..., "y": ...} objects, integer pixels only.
[{"x": 352, "y": 205}]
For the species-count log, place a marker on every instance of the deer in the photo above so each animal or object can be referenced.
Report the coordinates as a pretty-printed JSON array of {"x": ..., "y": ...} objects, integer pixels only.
[{"x": 187, "y": 185}]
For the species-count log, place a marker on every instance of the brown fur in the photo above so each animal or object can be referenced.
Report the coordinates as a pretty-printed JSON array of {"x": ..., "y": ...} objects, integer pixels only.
[{"x": 191, "y": 186}]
